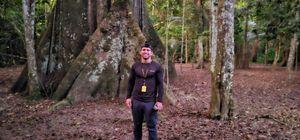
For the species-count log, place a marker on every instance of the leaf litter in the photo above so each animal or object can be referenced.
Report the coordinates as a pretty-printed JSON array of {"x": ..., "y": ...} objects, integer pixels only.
[{"x": 267, "y": 106}]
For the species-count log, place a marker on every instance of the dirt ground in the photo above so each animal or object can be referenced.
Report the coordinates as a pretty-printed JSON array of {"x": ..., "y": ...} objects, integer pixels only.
[{"x": 267, "y": 107}]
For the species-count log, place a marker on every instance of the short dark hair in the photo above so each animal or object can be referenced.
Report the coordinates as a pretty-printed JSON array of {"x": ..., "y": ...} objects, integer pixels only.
[{"x": 147, "y": 45}]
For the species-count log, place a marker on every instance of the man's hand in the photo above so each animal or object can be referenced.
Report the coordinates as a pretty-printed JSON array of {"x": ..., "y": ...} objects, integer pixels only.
[
  {"x": 128, "y": 102},
  {"x": 159, "y": 105}
]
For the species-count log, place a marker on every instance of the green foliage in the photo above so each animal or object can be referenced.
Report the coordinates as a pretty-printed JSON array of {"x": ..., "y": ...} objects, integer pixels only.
[
  {"x": 11, "y": 33},
  {"x": 238, "y": 30},
  {"x": 194, "y": 26},
  {"x": 261, "y": 55},
  {"x": 12, "y": 49},
  {"x": 273, "y": 19}
]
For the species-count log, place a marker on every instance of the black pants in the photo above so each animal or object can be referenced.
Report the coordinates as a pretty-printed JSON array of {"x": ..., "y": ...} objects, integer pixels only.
[{"x": 139, "y": 110}]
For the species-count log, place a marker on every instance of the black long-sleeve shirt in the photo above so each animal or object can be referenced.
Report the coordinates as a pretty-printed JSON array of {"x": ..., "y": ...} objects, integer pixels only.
[{"x": 150, "y": 75}]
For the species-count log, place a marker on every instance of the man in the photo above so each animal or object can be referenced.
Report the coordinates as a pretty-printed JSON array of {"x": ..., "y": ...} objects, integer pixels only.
[{"x": 145, "y": 92}]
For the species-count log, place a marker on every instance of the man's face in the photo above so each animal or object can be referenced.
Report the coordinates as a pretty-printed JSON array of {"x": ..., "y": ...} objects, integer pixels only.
[{"x": 146, "y": 53}]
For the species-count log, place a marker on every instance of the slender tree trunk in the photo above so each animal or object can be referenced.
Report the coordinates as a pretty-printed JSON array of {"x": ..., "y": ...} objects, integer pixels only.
[
  {"x": 245, "y": 62},
  {"x": 214, "y": 110},
  {"x": 276, "y": 56},
  {"x": 291, "y": 59},
  {"x": 207, "y": 49},
  {"x": 254, "y": 49},
  {"x": 255, "y": 46},
  {"x": 284, "y": 57},
  {"x": 297, "y": 55},
  {"x": 186, "y": 49},
  {"x": 28, "y": 15},
  {"x": 266, "y": 52},
  {"x": 277, "y": 53},
  {"x": 182, "y": 34},
  {"x": 221, "y": 106},
  {"x": 200, "y": 51},
  {"x": 167, "y": 48}
]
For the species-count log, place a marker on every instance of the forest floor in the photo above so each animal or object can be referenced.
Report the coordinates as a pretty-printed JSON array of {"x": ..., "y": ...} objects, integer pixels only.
[{"x": 267, "y": 107}]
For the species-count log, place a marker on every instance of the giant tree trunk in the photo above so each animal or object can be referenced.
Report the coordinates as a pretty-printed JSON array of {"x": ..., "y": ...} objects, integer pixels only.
[
  {"x": 75, "y": 66},
  {"x": 104, "y": 64},
  {"x": 60, "y": 44},
  {"x": 28, "y": 15},
  {"x": 221, "y": 106}
]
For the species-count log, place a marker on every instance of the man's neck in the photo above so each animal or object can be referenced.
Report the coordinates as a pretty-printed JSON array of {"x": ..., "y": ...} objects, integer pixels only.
[{"x": 146, "y": 60}]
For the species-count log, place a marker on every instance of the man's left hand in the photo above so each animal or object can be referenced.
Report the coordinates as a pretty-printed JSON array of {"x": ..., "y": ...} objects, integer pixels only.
[{"x": 159, "y": 105}]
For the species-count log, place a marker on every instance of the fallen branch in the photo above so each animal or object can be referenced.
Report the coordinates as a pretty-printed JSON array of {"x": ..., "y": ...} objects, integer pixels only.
[{"x": 272, "y": 118}]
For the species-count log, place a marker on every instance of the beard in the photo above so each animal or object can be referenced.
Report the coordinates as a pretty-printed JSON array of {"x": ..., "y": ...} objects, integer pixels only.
[{"x": 146, "y": 58}]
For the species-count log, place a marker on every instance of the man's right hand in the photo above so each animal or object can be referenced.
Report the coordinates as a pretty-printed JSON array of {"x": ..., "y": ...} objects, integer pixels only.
[{"x": 128, "y": 102}]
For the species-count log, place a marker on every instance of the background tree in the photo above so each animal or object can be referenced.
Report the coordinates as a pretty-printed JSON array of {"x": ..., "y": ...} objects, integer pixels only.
[
  {"x": 222, "y": 65},
  {"x": 29, "y": 22},
  {"x": 202, "y": 16},
  {"x": 275, "y": 22},
  {"x": 82, "y": 58},
  {"x": 293, "y": 47}
]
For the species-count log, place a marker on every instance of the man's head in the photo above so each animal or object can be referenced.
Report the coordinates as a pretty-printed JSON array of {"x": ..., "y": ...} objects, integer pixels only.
[{"x": 146, "y": 51}]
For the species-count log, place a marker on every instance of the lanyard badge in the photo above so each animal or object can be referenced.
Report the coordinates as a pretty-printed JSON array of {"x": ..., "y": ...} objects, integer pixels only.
[{"x": 144, "y": 87}]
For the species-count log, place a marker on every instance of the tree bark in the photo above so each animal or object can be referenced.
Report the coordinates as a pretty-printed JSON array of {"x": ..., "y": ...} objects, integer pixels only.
[
  {"x": 245, "y": 57},
  {"x": 284, "y": 57},
  {"x": 61, "y": 43},
  {"x": 103, "y": 7},
  {"x": 201, "y": 54},
  {"x": 76, "y": 66},
  {"x": 186, "y": 49},
  {"x": 221, "y": 106},
  {"x": 102, "y": 68},
  {"x": 207, "y": 49},
  {"x": 29, "y": 22},
  {"x": 64, "y": 38},
  {"x": 291, "y": 59},
  {"x": 266, "y": 52},
  {"x": 293, "y": 50},
  {"x": 277, "y": 53},
  {"x": 91, "y": 15},
  {"x": 214, "y": 58},
  {"x": 182, "y": 34},
  {"x": 254, "y": 49}
]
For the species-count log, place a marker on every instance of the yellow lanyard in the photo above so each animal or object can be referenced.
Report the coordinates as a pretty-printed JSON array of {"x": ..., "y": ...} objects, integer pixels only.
[
  {"x": 144, "y": 87},
  {"x": 144, "y": 73}
]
